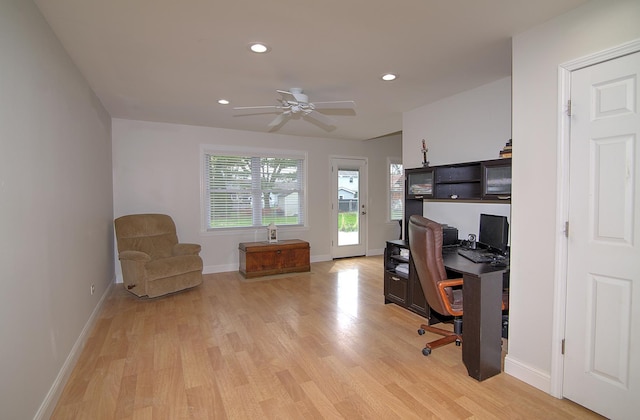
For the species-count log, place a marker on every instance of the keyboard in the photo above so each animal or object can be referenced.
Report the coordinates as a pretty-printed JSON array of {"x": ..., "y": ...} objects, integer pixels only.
[{"x": 477, "y": 256}]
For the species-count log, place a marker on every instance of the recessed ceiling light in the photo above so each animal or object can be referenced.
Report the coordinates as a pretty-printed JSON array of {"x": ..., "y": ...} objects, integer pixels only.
[
  {"x": 223, "y": 102},
  {"x": 259, "y": 47},
  {"x": 388, "y": 77}
]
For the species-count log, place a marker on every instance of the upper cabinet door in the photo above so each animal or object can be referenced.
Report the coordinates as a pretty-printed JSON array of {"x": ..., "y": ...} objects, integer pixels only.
[
  {"x": 419, "y": 183},
  {"x": 496, "y": 179}
]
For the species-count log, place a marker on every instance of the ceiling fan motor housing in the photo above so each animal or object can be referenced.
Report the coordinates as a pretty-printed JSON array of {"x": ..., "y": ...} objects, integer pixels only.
[{"x": 300, "y": 97}]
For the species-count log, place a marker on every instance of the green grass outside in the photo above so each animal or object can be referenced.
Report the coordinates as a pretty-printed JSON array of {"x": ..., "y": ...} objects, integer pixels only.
[
  {"x": 347, "y": 222},
  {"x": 248, "y": 222}
]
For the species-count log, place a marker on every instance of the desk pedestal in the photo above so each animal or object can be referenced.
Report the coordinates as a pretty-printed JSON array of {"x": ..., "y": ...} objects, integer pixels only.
[{"x": 481, "y": 324}]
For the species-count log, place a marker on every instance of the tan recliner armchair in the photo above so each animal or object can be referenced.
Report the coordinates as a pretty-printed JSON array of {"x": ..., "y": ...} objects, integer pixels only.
[{"x": 153, "y": 262}]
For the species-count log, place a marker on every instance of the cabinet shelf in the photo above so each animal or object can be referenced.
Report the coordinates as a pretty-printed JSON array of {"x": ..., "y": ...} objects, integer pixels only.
[
  {"x": 398, "y": 273},
  {"x": 399, "y": 258},
  {"x": 459, "y": 181},
  {"x": 401, "y": 288}
]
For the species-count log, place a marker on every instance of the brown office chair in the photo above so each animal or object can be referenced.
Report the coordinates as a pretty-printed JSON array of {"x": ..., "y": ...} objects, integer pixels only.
[{"x": 443, "y": 295}]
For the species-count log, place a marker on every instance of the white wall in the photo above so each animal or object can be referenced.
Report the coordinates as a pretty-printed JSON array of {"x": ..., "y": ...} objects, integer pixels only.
[
  {"x": 156, "y": 168},
  {"x": 55, "y": 211},
  {"x": 470, "y": 126},
  {"x": 537, "y": 55}
]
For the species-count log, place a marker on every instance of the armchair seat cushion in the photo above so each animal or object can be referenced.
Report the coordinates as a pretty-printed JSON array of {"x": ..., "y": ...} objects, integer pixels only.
[{"x": 172, "y": 266}]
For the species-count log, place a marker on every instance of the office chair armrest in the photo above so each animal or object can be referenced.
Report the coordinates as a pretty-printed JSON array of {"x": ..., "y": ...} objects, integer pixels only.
[
  {"x": 450, "y": 283},
  {"x": 442, "y": 289}
]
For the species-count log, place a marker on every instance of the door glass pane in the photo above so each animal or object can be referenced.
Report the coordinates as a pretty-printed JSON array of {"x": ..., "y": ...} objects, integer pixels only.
[{"x": 348, "y": 206}]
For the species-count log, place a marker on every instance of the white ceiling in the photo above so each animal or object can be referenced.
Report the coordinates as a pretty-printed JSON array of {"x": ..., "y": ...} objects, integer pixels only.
[{"x": 171, "y": 60}]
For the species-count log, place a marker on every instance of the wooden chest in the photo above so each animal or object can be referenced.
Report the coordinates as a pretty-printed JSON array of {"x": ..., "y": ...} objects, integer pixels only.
[{"x": 264, "y": 258}]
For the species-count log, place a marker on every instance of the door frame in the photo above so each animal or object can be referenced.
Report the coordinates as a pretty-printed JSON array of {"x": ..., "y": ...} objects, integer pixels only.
[
  {"x": 364, "y": 189},
  {"x": 562, "y": 200}
]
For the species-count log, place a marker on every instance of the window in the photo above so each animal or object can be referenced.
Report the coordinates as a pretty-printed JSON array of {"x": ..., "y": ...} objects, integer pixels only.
[
  {"x": 396, "y": 191},
  {"x": 253, "y": 190}
]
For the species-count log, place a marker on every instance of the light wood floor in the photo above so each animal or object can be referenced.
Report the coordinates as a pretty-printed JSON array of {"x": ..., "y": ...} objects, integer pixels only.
[{"x": 313, "y": 345}]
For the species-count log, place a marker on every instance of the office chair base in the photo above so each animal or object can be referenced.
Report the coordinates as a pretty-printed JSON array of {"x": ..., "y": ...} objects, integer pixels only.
[{"x": 449, "y": 337}]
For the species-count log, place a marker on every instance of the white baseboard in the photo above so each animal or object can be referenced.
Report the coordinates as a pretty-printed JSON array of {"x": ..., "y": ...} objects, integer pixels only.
[
  {"x": 372, "y": 252},
  {"x": 527, "y": 374},
  {"x": 49, "y": 404},
  {"x": 222, "y": 268},
  {"x": 320, "y": 258}
]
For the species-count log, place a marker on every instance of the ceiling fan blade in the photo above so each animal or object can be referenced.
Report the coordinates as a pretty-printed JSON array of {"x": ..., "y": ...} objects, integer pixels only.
[
  {"x": 296, "y": 94},
  {"x": 284, "y": 92},
  {"x": 258, "y": 107},
  {"x": 278, "y": 120},
  {"x": 320, "y": 117},
  {"x": 335, "y": 105}
]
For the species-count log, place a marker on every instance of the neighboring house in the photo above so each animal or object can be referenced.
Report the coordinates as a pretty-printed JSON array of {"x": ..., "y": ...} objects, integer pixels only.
[{"x": 347, "y": 194}]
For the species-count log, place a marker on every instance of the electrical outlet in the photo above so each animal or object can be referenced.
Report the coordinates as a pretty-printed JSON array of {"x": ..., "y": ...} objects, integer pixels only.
[{"x": 93, "y": 289}]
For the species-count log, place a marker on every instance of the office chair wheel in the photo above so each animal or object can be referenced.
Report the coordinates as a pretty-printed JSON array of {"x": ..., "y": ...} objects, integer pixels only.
[
  {"x": 426, "y": 351},
  {"x": 421, "y": 331},
  {"x": 458, "y": 342}
]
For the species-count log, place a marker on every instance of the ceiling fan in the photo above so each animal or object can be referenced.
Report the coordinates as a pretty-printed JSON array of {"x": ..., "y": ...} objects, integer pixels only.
[{"x": 294, "y": 102}]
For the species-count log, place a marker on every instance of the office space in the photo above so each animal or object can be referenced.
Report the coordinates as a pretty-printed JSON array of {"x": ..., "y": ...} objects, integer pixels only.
[{"x": 45, "y": 127}]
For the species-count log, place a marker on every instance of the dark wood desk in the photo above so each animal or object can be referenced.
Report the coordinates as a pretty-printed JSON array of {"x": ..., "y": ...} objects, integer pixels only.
[{"x": 482, "y": 314}]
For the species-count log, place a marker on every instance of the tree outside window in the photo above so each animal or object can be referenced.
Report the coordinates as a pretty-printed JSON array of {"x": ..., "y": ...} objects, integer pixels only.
[
  {"x": 253, "y": 191},
  {"x": 396, "y": 191}
]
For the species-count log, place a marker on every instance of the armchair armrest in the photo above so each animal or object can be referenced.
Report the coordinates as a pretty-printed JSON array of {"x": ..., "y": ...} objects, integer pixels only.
[
  {"x": 186, "y": 249},
  {"x": 134, "y": 256}
]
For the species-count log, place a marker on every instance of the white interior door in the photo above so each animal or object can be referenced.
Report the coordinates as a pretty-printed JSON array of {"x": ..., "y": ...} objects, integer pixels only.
[
  {"x": 602, "y": 334},
  {"x": 349, "y": 207}
]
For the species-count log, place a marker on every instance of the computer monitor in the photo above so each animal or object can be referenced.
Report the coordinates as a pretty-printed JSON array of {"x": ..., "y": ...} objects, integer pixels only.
[{"x": 494, "y": 232}]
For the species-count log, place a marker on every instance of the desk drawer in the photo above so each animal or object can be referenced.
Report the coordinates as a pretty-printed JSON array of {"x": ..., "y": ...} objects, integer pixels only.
[{"x": 395, "y": 288}]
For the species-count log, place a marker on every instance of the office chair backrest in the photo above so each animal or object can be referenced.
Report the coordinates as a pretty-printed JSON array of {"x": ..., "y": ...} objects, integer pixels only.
[{"x": 425, "y": 243}]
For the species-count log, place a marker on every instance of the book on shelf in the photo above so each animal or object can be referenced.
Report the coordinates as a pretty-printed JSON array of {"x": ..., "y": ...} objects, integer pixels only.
[{"x": 506, "y": 150}]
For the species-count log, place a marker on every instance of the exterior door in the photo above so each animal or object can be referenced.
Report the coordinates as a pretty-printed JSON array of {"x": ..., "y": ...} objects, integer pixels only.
[
  {"x": 349, "y": 208},
  {"x": 602, "y": 332}
]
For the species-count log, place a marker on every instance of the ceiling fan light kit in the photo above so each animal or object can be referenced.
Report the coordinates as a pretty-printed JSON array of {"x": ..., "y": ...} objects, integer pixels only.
[{"x": 294, "y": 102}]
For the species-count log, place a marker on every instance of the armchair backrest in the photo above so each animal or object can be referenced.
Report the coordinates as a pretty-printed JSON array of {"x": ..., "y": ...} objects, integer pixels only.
[
  {"x": 153, "y": 234},
  {"x": 425, "y": 243}
]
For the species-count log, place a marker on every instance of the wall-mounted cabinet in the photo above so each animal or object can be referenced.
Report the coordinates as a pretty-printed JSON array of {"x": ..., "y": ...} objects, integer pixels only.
[
  {"x": 486, "y": 181},
  {"x": 472, "y": 181}
]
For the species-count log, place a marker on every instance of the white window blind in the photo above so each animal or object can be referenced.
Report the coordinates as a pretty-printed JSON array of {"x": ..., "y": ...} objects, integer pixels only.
[
  {"x": 253, "y": 190},
  {"x": 396, "y": 191}
]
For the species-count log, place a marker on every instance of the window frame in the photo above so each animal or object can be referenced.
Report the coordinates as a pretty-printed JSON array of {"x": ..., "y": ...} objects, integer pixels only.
[
  {"x": 394, "y": 161},
  {"x": 206, "y": 150}
]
